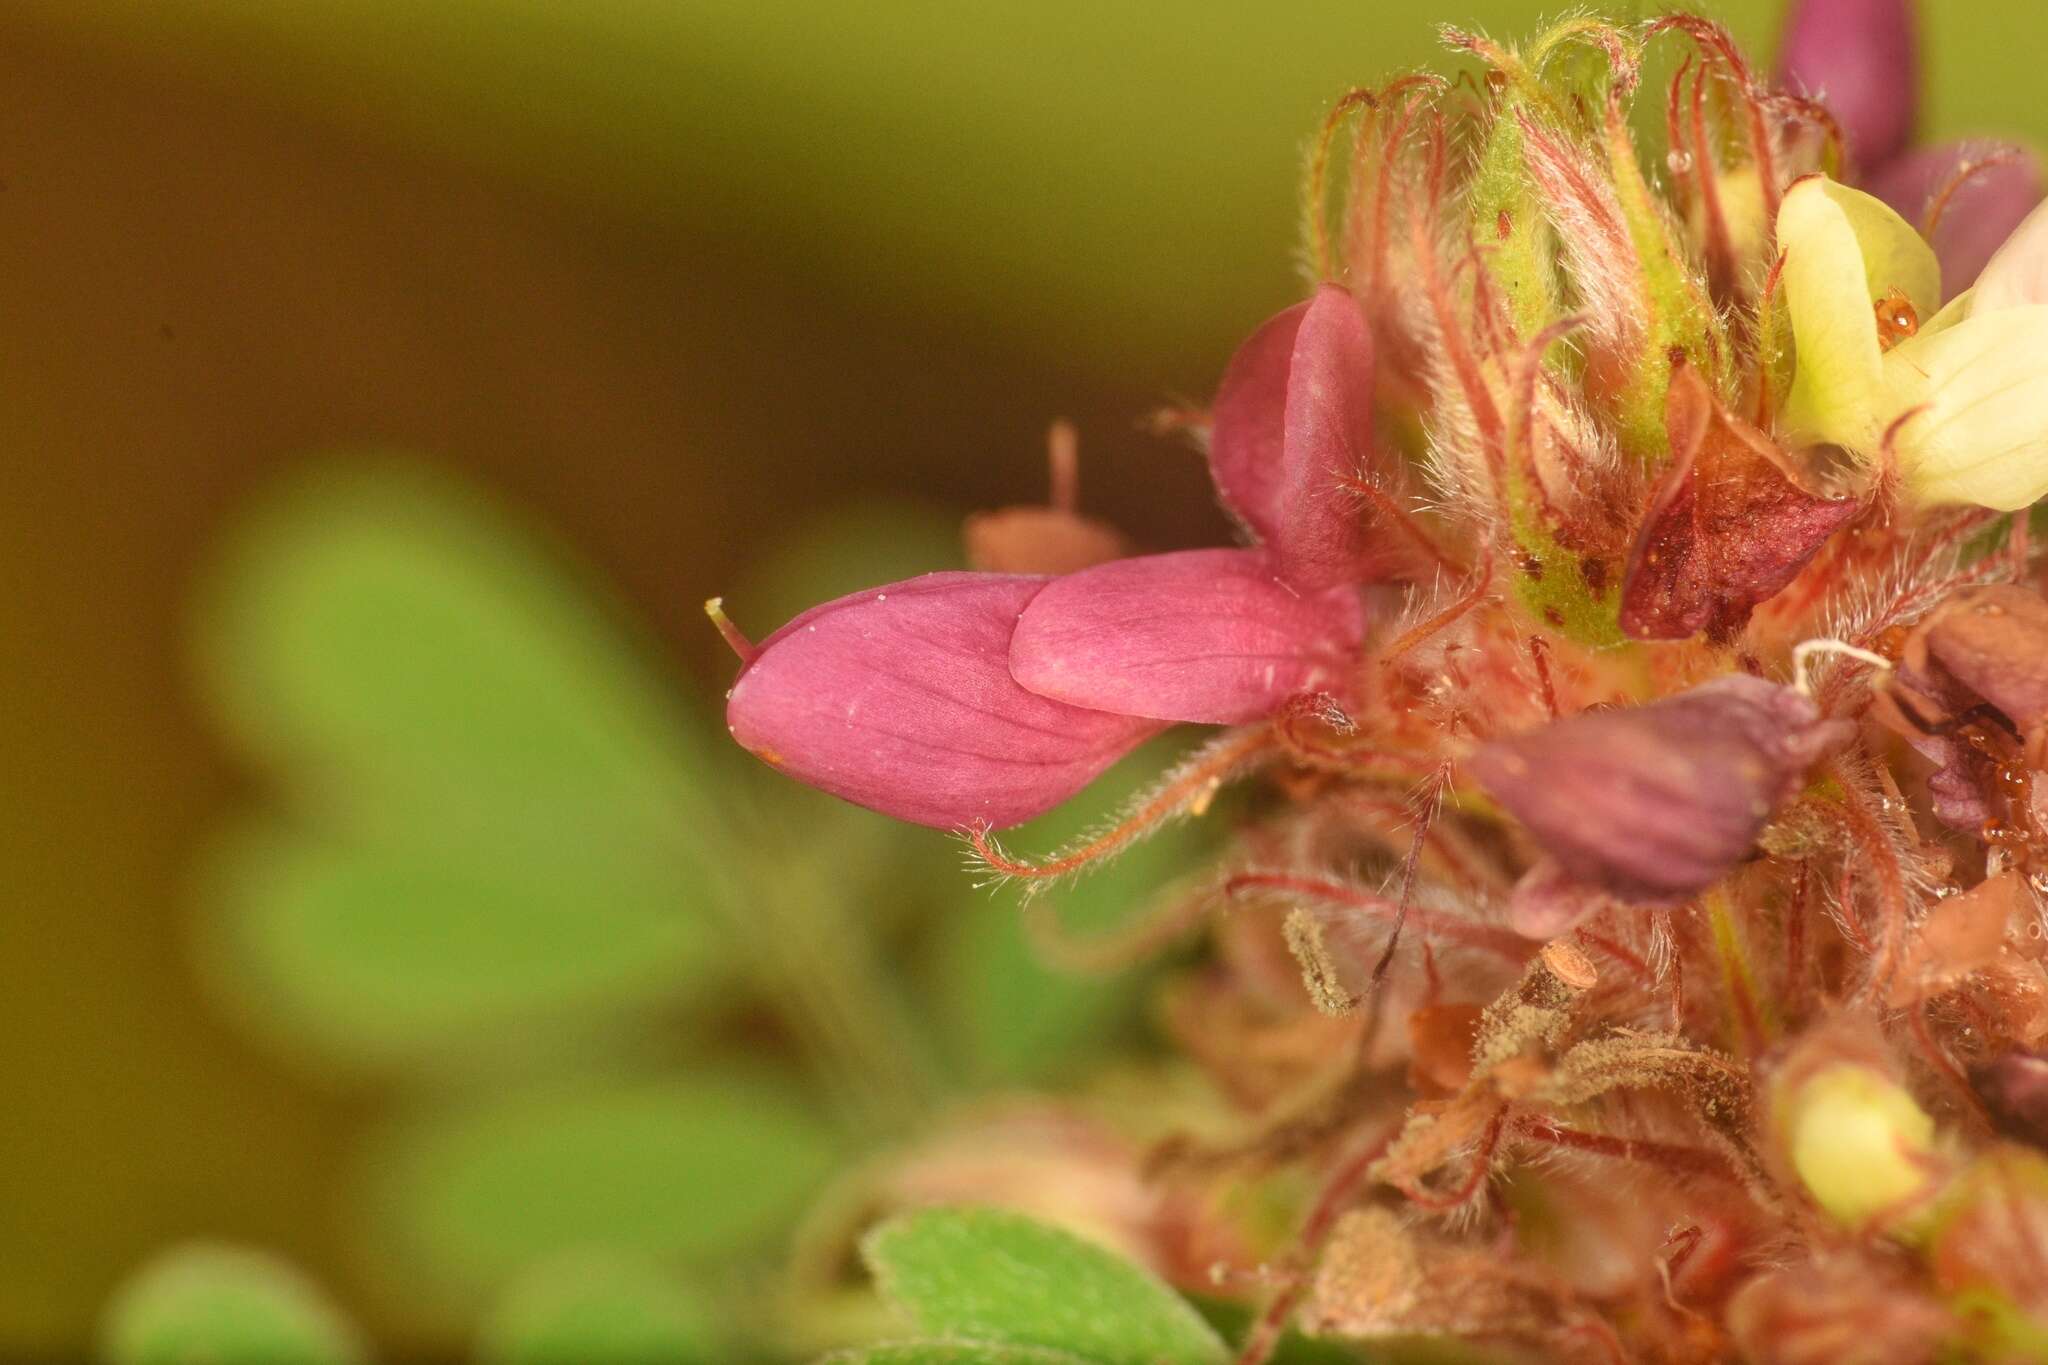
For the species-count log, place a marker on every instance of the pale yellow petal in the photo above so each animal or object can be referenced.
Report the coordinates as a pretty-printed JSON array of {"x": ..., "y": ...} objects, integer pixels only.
[
  {"x": 2017, "y": 272},
  {"x": 1838, "y": 364},
  {"x": 1895, "y": 255},
  {"x": 1980, "y": 431}
]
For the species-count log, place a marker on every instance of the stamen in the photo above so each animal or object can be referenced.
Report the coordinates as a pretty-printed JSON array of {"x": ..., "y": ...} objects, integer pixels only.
[
  {"x": 715, "y": 609},
  {"x": 1805, "y": 650}
]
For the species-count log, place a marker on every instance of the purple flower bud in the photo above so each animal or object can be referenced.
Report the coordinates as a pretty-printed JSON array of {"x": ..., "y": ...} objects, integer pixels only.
[
  {"x": 900, "y": 699},
  {"x": 1979, "y": 216},
  {"x": 2015, "y": 1089},
  {"x": 1654, "y": 803},
  {"x": 1210, "y": 636},
  {"x": 1292, "y": 423},
  {"x": 1861, "y": 57}
]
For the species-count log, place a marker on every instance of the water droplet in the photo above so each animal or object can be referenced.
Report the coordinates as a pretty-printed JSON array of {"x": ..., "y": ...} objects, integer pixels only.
[{"x": 1680, "y": 161}]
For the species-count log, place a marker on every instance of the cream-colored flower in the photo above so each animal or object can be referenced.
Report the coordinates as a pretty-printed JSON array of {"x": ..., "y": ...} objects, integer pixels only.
[{"x": 1962, "y": 392}]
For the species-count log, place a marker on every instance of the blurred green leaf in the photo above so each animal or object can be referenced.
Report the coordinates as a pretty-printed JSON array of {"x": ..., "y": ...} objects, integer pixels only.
[
  {"x": 508, "y": 827},
  {"x": 216, "y": 1305},
  {"x": 591, "y": 1308},
  {"x": 953, "y": 1353},
  {"x": 1013, "y": 1017},
  {"x": 395, "y": 956},
  {"x": 395, "y": 649},
  {"x": 689, "y": 1170},
  {"x": 983, "y": 1274}
]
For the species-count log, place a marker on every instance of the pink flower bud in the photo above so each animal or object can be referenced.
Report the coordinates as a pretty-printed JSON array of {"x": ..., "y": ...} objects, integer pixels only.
[
  {"x": 1292, "y": 423},
  {"x": 1202, "y": 635},
  {"x": 1860, "y": 57},
  {"x": 900, "y": 699},
  {"x": 1654, "y": 803}
]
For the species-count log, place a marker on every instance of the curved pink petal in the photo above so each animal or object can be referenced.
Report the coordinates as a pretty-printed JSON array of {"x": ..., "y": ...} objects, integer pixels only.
[
  {"x": 900, "y": 699},
  {"x": 1980, "y": 215},
  {"x": 1210, "y": 636},
  {"x": 1860, "y": 56},
  {"x": 1292, "y": 425},
  {"x": 1247, "y": 424}
]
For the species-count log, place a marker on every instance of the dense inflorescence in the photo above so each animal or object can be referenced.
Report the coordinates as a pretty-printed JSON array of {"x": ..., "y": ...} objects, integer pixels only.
[{"x": 1634, "y": 946}]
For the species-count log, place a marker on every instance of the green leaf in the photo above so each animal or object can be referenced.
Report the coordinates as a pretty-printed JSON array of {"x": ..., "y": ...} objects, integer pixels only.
[
  {"x": 590, "y": 1308},
  {"x": 1015, "y": 1018},
  {"x": 681, "y": 1171},
  {"x": 381, "y": 636},
  {"x": 953, "y": 1353},
  {"x": 984, "y": 1274},
  {"x": 475, "y": 751},
  {"x": 406, "y": 957},
  {"x": 216, "y": 1305}
]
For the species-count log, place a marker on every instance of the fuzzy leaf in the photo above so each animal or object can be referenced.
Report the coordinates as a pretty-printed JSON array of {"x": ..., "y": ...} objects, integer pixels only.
[
  {"x": 595, "y": 1309},
  {"x": 953, "y": 1353},
  {"x": 987, "y": 1274},
  {"x": 217, "y": 1305},
  {"x": 686, "y": 1170}
]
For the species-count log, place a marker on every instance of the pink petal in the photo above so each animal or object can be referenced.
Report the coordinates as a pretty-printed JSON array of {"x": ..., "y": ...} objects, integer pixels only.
[
  {"x": 1861, "y": 58},
  {"x": 900, "y": 699},
  {"x": 1247, "y": 424},
  {"x": 1980, "y": 215},
  {"x": 1291, "y": 424},
  {"x": 1210, "y": 636}
]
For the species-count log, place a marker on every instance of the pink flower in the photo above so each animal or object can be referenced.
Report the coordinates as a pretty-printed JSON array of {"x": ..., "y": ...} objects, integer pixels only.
[
  {"x": 1862, "y": 58},
  {"x": 980, "y": 700}
]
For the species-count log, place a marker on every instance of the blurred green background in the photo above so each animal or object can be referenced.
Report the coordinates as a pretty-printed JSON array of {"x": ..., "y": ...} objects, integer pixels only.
[{"x": 700, "y": 296}]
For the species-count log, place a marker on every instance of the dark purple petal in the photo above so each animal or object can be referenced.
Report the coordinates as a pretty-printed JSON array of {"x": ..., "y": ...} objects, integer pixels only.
[
  {"x": 1980, "y": 215},
  {"x": 900, "y": 699},
  {"x": 1657, "y": 802},
  {"x": 1292, "y": 425},
  {"x": 1860, "y": 56},
  {"x": 1212, "y": 636}
]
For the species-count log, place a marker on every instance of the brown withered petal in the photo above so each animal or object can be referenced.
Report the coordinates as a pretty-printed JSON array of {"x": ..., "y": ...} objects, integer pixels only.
[
  {"x": 1654, "y": 803},
  {"x": 1039, "y": 540},
  {"x": 1994, "y": 640},
  {"x": 1961, "y": 935},
  {"x": 1726, "y": 529},
  {"x": 1846, "y": 1311}
]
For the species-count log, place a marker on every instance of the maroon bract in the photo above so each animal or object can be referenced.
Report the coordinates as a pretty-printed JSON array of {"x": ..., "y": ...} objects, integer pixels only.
[
  {"x": 900, "y": 699},
  {"x": 1655, "y": 803},
  {"x": 1290, "y": 433},
  {"x": 1727, "y": 528},
  {"x": 1203, "y": 635}
]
